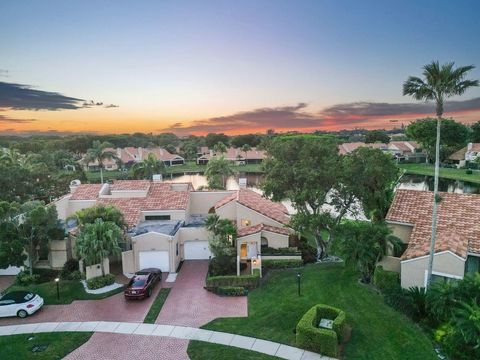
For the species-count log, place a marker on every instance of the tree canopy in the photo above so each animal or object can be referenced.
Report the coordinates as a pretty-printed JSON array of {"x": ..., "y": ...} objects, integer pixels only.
[
  {"x": 453, "y": 136},
  {"x": 374, "y": 136},
  {"x": 217, "y": 172},
  {"x": 147, "y": 168}
]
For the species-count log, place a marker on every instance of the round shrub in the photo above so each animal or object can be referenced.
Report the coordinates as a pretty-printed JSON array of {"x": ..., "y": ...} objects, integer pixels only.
[
  {"x": 24, "y": 278},
  {"x": 100, "y": 281}
]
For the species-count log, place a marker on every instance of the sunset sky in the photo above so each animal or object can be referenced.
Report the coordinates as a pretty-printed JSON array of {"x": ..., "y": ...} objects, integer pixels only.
[{"x": 193, "y": 67}]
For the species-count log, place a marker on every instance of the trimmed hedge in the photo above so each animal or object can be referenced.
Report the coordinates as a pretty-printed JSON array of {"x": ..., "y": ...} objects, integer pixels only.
[
  {"x": 282, "y": 264},
  {"x": 281, "y": 251},
  {"x": 246, "y": 281},
  {"x": 231, "y": 290},
  {"x": 385, "y": 280},
  {"x": 100, "y": 281},
  {"x": 324, "y": 341}
]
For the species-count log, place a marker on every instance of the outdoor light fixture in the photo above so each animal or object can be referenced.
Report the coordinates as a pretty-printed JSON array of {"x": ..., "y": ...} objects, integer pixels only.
[
  {"x": 254, "y": 261},
  {"x": 57, "y": 280},
  {"x": 299, "y": 276}
]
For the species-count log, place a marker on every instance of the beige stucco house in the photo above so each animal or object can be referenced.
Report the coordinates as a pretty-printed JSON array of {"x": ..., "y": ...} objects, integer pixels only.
[
  {"x": 457, "y": 247},
  {"x": 166, "y": 220}
]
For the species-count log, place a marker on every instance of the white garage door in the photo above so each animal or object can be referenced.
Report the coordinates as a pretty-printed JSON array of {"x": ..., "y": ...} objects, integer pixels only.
[
  {"x": 155, "y": 259},
  {"x": 196, "y": 250}
]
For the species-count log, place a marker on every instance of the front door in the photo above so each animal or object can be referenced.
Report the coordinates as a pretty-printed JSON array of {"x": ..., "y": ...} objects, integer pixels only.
[{"x": 243, "y": 250}]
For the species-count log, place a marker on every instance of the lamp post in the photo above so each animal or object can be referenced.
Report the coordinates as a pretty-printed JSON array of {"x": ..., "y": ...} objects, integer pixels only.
[
  {"x": 299, "y": 276},
  {"x": 57, "y": 280}
]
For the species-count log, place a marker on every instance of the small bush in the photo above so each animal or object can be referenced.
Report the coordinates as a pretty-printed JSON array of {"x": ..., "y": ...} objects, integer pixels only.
[
  {"x": 222, "y": 265},
  {"x": 324, "y": 341},
  {"x": 469, "y": 172},
  {"x": 281, "y": 251},
  {"x": 70, "y": 267},
  {"x": 282, "y": 264},
  {"x": 74, "y": 275},
  {"x": 384, "y": 279},
  {"x": 247, "y": 281},
  {"x": 46, "y": 275},
  {"x": 231, "y": 290},
  {"x": 100, "y": 281},
  {"x": 24, "y": 278}
]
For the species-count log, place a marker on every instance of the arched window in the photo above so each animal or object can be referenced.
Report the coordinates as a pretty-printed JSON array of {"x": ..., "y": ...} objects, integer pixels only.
[{"x": 264, "y": 242}]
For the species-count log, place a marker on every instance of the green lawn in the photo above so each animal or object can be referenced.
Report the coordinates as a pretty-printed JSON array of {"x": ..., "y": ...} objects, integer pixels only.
[
  {"x": 378, "y": 331},
  {"x": 69, "y": 291},
  {"x": 157, "y": 306},
  {"x": 18, "y": 347},
  {"x": 189, "y": 167},
  {"x": 428, "y": 169},
  {"x": 199, "y": 350}
]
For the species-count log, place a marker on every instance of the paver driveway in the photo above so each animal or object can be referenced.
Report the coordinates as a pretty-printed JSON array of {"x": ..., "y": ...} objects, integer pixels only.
[
  {"x": 105, "y": 346},
  {"x": 189, "y": 304},
  {"x": 113, "y": 308}
]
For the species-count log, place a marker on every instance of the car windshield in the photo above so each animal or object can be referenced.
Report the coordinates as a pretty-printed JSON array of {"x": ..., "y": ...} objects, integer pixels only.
[{"x": 138, "y": 282}]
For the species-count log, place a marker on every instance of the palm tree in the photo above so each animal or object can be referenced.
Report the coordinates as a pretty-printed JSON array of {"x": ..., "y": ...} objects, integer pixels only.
[
  {"x": 217, "y": 172},
  {"x": 246, "y": 148},
  {"x": 220, "y": 148},
  {"x": 98, "y": 153},
  {"x": 440, "y": 83},
  {"x": 97, "y": 241},
  {"x": 148, "y": 167}
]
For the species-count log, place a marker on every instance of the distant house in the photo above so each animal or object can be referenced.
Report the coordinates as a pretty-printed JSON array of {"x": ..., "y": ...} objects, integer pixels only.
[
  {"x": 466, "y": 155},
  {"x": 236, "y": 155},
  {"x": 457, "y": 247},
  {"x": 131, "y": 155},
  {"x": 403, "y": 151}
]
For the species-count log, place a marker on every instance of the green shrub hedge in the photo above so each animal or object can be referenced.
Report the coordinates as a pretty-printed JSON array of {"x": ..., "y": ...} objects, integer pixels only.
[
  {"x": 281, "y": 264},
  {"x": 231, "y": 290},
  {"x": 281, "y": 251},
  {"x": 324, "y": 341},
  {"x": 100, "y": 281},
  {"x": 24, "y": 278},
  {"x": 246, "y": 281},
  {"x": 385, "y": 280}
]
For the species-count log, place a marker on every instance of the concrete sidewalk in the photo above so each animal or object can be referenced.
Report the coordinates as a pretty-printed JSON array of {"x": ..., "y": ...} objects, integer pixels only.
[{"x": 179, "y": 332}]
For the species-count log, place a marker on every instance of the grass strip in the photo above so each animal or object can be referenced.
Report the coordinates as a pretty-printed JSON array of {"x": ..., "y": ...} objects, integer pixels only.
[{"x": 156, "y": 306}]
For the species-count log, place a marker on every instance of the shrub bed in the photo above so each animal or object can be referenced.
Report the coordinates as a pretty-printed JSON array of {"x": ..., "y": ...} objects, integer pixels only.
[
  {"x": 324, "y": 341},
  {"x": 281, "y": 264},
  {"x": 385, "y": 280},
  {"x": 231, "y": 291},
  {"x": 281, "y": 251},
  {"x": 246, "y": 281},
  {"x": 100, "y": 281},
  {"x": 24, "y": 278}
]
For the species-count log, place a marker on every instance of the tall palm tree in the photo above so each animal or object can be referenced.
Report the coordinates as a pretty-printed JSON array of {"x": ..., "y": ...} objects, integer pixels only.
[
  {"x": 220, "y": 148},
  {"x": 440, "y": 82},
  {"x": 148, "y": 167},
  {"x": 98, "y": 153},
  {"x": 217, "y": 172},
  {"x": 97, "y": 241}
]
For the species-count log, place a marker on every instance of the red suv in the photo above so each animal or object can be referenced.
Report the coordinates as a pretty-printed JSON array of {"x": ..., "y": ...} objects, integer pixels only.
[{"x": 142, "y": 283}]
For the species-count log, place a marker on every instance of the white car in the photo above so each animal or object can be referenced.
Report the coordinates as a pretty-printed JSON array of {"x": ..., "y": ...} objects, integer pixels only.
[{"x": 19, "y": 303}]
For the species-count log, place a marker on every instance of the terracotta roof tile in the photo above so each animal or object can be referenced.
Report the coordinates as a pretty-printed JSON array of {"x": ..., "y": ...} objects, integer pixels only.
[
  {"x": 458, "y": 222},
  {"x": 249, "y": 230},
  {"x": 130, "y": 185},
  {"x": 273, "y": 210},
  {"x": 86, "y": 192}
]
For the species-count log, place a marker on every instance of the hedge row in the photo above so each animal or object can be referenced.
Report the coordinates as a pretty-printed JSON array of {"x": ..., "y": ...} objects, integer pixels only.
[
  {"x": 384, "y": 279},
  {"x": 281, "y": 264},
  {"x": 281, "y": 251},
  {"x": 231, "y": 291},
  {"x": 324, "y": 341},
  {"x": 247, "y": 281},
  {"x": 100, "y": 281}
]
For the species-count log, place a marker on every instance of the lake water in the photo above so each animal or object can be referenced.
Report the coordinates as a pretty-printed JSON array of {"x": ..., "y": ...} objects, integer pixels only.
[{"x": 414, "y": 182}]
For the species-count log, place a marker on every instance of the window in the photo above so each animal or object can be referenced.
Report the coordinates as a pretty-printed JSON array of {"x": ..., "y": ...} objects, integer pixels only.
[
  {"x": 157, "y": 217},
  {"x": 177, "y": 249},
  {"x": 472, "y": 264},
  {"x": 245, "y": 222},
  {"x": 264, "y": 242}
]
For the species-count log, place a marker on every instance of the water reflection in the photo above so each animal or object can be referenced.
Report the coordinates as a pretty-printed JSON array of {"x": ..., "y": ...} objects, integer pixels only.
[{"x": 413, "y": 182}]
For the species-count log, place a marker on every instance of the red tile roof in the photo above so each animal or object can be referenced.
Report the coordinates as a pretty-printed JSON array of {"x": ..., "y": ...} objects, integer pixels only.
[
  {"x": 249, "y": 230},
  {"x": 273, "y": 210},
  {"x": 160, "y": 196},
  {"x": 86, "y": 192},
  {"x": 458, "y": 222},
  {"x": 236, "y": 154}
]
